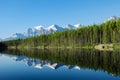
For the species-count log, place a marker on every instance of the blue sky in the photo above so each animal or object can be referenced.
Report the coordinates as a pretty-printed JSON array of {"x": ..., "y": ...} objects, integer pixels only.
[{"x": 18, "y": 15}]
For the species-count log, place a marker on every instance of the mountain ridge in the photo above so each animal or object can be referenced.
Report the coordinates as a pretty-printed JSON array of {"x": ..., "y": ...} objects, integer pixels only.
[{"x": 39, "y": 30}]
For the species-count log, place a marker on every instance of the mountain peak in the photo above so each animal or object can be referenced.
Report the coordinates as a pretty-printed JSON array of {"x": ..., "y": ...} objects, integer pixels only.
[
  {"x": 112, "y": 18},
  {"x": 69, "y": 26},
  {"x": 16, "y": 35},
  {"x": 53, "y": 27},
  {"x": 38, "y": 30},
  {"x": 77, "y": 25},
  {"x": 38, "y": 27}
]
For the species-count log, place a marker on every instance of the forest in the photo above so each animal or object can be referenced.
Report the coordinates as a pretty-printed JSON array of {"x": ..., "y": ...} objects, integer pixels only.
[{"x": 91, "y": 35}]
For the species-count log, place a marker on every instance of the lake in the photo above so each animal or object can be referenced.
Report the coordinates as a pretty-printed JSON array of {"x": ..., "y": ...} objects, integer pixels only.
[{"x": 59, "y": 64}]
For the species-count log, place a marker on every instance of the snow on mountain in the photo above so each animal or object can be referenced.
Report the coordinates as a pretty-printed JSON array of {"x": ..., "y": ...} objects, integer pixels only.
[
  {"x": 39, "y": 64},
  {"x": 111, "y": 18},
  {"x": 70, "y": 27},
  {"x": 38, "y": 30},
  {"x": 53, "y": 28},
  {"x": 38, "y": 27},
  {"x": 78, "y": 25}
]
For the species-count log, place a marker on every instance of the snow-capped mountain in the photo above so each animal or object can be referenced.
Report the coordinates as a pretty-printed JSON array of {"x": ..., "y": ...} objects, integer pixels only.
[
  {"x": 29, "y": 32},
  {"x": 70, "y": 27},
  {"x": 111, "y": 18},
  {"x": 54, "y": 28},
  {"x": 16, "y": 36},
  {"x": 73, "y": 26},
  {"x": 38, "y": 30},
  {"x": 41, "y": 63},
  {"x": 77, "y": 26}
]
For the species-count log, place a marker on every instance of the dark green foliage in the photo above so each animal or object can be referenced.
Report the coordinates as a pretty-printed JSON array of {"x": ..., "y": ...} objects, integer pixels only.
[
  {"x": 108, "y": 32},
  {"x": 2, "y": 45},
  {"x": 14, "y": 43}
]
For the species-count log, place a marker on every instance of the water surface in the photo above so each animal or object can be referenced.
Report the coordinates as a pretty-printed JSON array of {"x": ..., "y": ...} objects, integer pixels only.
[{"x": 59, "y": 64}]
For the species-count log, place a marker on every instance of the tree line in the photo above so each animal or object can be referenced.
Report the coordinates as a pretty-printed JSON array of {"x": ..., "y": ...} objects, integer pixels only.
[{"x": 105, "y": 33}]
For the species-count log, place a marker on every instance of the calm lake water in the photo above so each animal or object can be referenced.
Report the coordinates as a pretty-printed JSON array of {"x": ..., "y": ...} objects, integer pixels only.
[{"x": 59, "y": 64}]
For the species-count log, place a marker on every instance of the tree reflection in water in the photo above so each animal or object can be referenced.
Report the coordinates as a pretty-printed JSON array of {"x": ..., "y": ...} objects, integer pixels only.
[{"x": 107, "y": 61}]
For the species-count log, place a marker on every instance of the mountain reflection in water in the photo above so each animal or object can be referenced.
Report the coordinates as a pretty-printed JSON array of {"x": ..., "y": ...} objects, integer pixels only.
[
  {"x": 36, "y": 63},
  {"x": 106, "y": 61}
]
